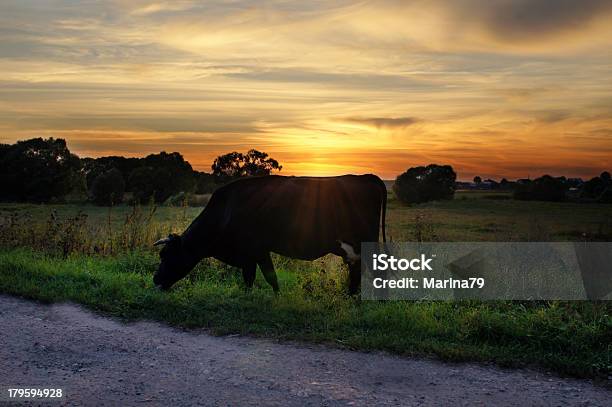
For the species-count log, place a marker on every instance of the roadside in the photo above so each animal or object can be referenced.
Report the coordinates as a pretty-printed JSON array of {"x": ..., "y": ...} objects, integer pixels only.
[{"x": 100, "y": 361}]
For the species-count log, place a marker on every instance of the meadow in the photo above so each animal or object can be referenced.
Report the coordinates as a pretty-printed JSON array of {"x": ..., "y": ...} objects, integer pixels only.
[{"x": 103, "y": 258}]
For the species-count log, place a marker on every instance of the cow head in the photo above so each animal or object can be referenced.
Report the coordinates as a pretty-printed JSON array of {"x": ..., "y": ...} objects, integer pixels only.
[{"x": 174, "y": 263}]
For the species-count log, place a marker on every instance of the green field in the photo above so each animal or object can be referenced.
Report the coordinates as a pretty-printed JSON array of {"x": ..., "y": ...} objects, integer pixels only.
[
  {"x": 471, "y": 216},
  {"x": 102, "y": 258}
]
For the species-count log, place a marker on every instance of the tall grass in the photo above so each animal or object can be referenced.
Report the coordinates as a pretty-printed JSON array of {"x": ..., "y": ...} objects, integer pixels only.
[{"x": 118, "y": 233}]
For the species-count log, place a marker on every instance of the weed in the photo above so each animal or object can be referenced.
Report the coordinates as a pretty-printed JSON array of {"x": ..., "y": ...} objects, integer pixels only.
[{"x": 423, "y": 228}]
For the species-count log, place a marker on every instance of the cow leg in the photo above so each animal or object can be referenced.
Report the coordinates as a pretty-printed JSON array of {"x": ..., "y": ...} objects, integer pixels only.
[
  {"x": 248, "y": 275},
  {"x": 353, "y": 261},
  {"x": 354, "y": 277},
  {"x": 267, "y": 269}
]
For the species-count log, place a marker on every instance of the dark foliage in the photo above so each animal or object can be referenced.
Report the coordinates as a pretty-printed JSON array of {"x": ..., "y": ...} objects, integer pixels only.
[
  {"x": 37, "y": 170},
  {"x": 108, "y": 188},
  {"x": 545, "y": 188},
  {"x": 156, "y": 176},
  {"x": 235, "y": 165},
  {"x": 205, "y": 183},
  {"x": 605, "y": 196},
  {"x": 40, "y": 170},
  {"x": 92, "y": 167},
  {"x": 142, "y": 183},
  {"x": 598, "y": 188},
  {"x": 492, "y": 183},
  {"x": 422, "y": 184},
  {"x": 161, "y": 176}
]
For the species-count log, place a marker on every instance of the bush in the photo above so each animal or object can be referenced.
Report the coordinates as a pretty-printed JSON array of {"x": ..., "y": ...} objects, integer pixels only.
[
  {"x": 108, "y": 188},
  {"x": 422, "y": 184},
  {"x": 545, "y": 188},
  {"x": 183, "y": 199},
  {"x": 598, "y": 189}
]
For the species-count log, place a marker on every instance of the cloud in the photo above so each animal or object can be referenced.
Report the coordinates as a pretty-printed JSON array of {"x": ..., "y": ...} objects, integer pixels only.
[
  {"x": 549, "y": 26},
  {"x": 383, "y": 122},
  {"x": 498, "y": 81},
  {"x": 161, "y": 7},
  {"x": 533, "y": 19}
]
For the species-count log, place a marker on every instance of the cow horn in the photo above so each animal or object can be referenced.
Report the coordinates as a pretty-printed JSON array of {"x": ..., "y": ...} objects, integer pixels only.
[{"x": 162, "y": 241}]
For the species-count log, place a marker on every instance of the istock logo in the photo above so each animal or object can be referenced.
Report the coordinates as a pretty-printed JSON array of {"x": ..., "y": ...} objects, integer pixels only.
[{"x": 385, "y": 262}]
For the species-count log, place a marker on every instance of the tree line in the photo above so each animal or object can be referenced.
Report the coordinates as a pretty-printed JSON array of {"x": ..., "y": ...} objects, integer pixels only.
[
  {"x": 439, "y": 182},
  {"x": 44, "y": 170}
]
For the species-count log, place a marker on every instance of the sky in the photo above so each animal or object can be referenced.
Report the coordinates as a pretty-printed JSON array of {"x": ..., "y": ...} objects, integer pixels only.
[{"x": 498, "y": 88}]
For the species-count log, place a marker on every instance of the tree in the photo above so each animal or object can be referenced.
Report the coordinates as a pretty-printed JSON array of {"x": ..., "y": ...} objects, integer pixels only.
[
  {"x": 598, "y": 188},
  {"x": 259, "y": 163},
  {"x": 422, "y": 184},
  {"x": 235, "y": 165},
  {"x": 172, "y": 174},
  {"x": 161, "y": 176},
  {"x": 108, "y": 188},
  {"x": 591, "y": 188},
  {"x": 205, "y": 183},
  {"x": 545, "y": 188},
  {"x": 477, "y": 180},
  {"x": 92, "y": 167},
  {"x": 37, "y": 170},
  {"x": 606, "y": 190},
  {"x": 142, "y": 183}
]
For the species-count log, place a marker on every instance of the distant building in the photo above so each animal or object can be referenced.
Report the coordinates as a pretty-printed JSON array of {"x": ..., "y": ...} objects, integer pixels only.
[{"x": 483, "y": 185}]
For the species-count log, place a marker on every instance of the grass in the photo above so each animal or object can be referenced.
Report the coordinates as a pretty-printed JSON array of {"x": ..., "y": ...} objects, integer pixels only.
[
  {"x": 473, "y": 216},
  {"x": 102, "y": 259},
  {"x": 570, "y": 338}
]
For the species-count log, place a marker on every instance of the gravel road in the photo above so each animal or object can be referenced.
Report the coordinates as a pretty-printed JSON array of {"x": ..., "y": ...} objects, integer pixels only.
[{"x": 101, "y": 361}]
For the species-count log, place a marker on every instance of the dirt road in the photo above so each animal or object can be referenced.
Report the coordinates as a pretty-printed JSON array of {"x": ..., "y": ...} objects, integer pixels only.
[{"x": 100, "y": 361}]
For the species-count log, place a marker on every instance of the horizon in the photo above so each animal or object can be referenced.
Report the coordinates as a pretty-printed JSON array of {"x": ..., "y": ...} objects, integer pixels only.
[
  {"x": 280, "y": 172},
  {"x": 499, "y": 90}
]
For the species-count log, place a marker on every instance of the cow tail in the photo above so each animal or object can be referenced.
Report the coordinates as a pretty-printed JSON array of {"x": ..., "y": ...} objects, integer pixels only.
[{"x": 384, "y": 211}]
